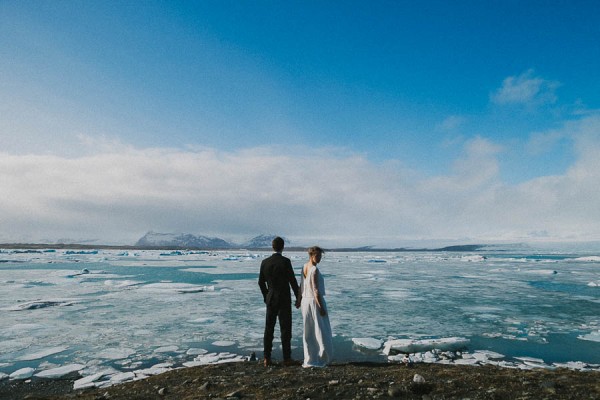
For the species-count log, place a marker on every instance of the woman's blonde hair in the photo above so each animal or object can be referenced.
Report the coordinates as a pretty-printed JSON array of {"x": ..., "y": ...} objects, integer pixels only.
[{"x": 315, "y": 250}]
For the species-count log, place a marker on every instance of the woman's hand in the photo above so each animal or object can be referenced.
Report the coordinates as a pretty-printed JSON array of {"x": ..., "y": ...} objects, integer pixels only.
[{"x": 322, "y": 311}]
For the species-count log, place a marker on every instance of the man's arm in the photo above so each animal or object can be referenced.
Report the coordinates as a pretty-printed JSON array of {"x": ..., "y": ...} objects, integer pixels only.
[
  {"x": 293, "y": 281},
  {"x": 262, "y": 282}
]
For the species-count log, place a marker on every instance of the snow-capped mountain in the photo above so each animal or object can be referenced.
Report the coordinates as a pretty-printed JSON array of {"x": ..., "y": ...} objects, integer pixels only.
[
  {"x": 188, "y": 240},
  {"x": 155, "y": 239},
  {"x": 262, "y": 242}
]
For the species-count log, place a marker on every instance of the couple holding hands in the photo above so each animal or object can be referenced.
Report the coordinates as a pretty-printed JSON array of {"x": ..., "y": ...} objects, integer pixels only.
[{"x": 275, "y": 280}]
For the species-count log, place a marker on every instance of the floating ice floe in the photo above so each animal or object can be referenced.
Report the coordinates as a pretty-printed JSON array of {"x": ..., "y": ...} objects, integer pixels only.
[
  {"x": 594, "y": 336},
  {"x": 594, "y": 284},
  {"x": 368, "y": 343},
  {"x": 43, "y": 353},
  {"x": 23, "y": 373},
  {"x": 164, "y": 287},
  {"x": 540, "y": 271},
  {"x": 166, "y": 349},
  {"x": 223, "y": 343},
  {"x": 122, "y": 284},
  {"x": 420, "y": 345},
  {"x": 196, "y": 352},
  {"x": 37, "y": 304},
  {"x": 588, "y": 259},
  {"x": 116, "y": 354},
  {"x": 473, "y": 258},
  {"x": 58, "y": 372},
  {"x": 202, "y": 320}
]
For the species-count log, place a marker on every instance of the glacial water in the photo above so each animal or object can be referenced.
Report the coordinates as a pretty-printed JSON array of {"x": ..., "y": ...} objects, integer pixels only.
[{"x": 119, "y": 311}]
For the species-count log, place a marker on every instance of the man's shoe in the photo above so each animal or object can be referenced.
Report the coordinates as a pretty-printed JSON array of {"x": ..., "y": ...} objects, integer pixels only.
[{"x": 267, "y": 362}]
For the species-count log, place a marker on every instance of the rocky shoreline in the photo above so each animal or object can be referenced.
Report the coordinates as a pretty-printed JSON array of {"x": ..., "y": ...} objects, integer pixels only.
[{"x": 250, "y": 380}]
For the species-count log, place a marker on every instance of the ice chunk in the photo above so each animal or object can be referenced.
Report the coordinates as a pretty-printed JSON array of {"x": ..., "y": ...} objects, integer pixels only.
[
  {"x": 590, "y": 258},
  {"x": 467, "y": 361},
  {"x": 594, "y": 336},
  {"x": 166, "y": 349},
  {"x": 368, "y": 343},
  {"x": 417, "y": 345},
  {"x": 165, "y": 287},
  {"x": 541, "y": 271},
  {"x": 116, "y": 354},
  {"x": 473, "y": 258},
  {"x": 154, "y": 370},
  {"x": 43, "y": 353},
  {"x": 122, "y": 377},
  {"x": 196, "y": 352},
  {"x": 88, "y": 381},
  {"x": 3, "y": 376},
  {"x": 576, "y": 365},
  {"x": 223, "y": 343},
  {"x": 208, "y": 358},
  {"x": 122, "y": 284},
  {"x": 37, "y": 304},
  {"x": 23, "y": 373},
  {"x": 58, "y": 372},
  {"x": 532, "y": 362},
  {"x": 485, "y": 355},
  {"x": 202, "y": 320}
]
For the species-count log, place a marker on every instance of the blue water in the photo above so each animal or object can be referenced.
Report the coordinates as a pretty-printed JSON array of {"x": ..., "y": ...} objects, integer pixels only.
[{"x": 524, "y": 303}]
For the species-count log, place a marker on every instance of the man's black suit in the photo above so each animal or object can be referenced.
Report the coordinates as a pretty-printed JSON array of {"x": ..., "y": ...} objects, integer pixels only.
[{"x": 275, "y": 279}]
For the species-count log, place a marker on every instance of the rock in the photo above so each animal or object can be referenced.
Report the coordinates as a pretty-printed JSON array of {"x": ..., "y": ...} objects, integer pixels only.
[
  {"x": 335, "y": 382},
  {"x": 162, "y": 391},
  {"x": 235, "y": 394},
  {"x": 548, "y": 385},
  {"x": 418, "y": 379},
  {"x": 395, "y": 391}
]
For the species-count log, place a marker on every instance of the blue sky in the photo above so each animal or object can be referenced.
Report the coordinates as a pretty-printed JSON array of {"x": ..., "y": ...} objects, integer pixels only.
[{"x": 441, "y": 111}]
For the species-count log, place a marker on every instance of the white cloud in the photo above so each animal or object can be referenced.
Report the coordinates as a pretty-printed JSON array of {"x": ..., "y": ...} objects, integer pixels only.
[
  {"x": 308, "y": 196},
  {"x": 451, "y": 123},
  {"x": 526, "y": 89}
]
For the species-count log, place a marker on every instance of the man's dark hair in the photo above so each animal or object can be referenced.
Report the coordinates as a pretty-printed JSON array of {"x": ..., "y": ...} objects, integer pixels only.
[{"x": 278, "y": 244}]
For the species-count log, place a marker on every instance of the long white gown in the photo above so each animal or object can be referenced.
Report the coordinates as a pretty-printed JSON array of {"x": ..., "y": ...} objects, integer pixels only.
[{"x": 317, "y": 338}]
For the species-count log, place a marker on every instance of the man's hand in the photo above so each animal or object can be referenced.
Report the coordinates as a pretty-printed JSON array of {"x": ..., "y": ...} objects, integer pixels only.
[{"x": 298, "y": 302}]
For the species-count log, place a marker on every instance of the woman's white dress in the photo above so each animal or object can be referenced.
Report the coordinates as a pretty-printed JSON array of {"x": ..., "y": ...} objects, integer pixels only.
[{"x": 318, "y": 345}]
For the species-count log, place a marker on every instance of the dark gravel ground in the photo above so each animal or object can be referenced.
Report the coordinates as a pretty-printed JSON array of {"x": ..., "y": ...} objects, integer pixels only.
[{"x": 339, "y": 381}]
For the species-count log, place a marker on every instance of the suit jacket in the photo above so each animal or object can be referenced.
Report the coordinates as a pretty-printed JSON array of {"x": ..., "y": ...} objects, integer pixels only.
[{"x": 275, "y": 279}]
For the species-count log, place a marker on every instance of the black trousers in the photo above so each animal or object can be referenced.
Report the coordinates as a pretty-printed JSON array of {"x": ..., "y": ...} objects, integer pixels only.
[{"x": 284, "y": 313}]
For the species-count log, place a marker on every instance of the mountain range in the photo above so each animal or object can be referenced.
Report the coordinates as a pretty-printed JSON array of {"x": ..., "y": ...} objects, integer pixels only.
[{"x": 188, "y": 240}]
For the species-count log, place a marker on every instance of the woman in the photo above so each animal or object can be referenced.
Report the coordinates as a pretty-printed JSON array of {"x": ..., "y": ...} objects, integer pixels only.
[{"x": 318, "y": 346}]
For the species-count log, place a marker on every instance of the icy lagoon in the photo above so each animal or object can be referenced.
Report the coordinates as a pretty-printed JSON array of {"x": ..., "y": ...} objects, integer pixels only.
[{"x": 116, "y": 316}]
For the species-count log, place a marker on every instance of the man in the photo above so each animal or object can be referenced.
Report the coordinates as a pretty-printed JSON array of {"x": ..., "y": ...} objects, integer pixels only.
[{"x": 275, "y": 279}]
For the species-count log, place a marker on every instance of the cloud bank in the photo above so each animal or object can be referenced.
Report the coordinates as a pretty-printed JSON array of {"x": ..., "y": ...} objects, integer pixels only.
[{"x": 120, "y": 192}]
